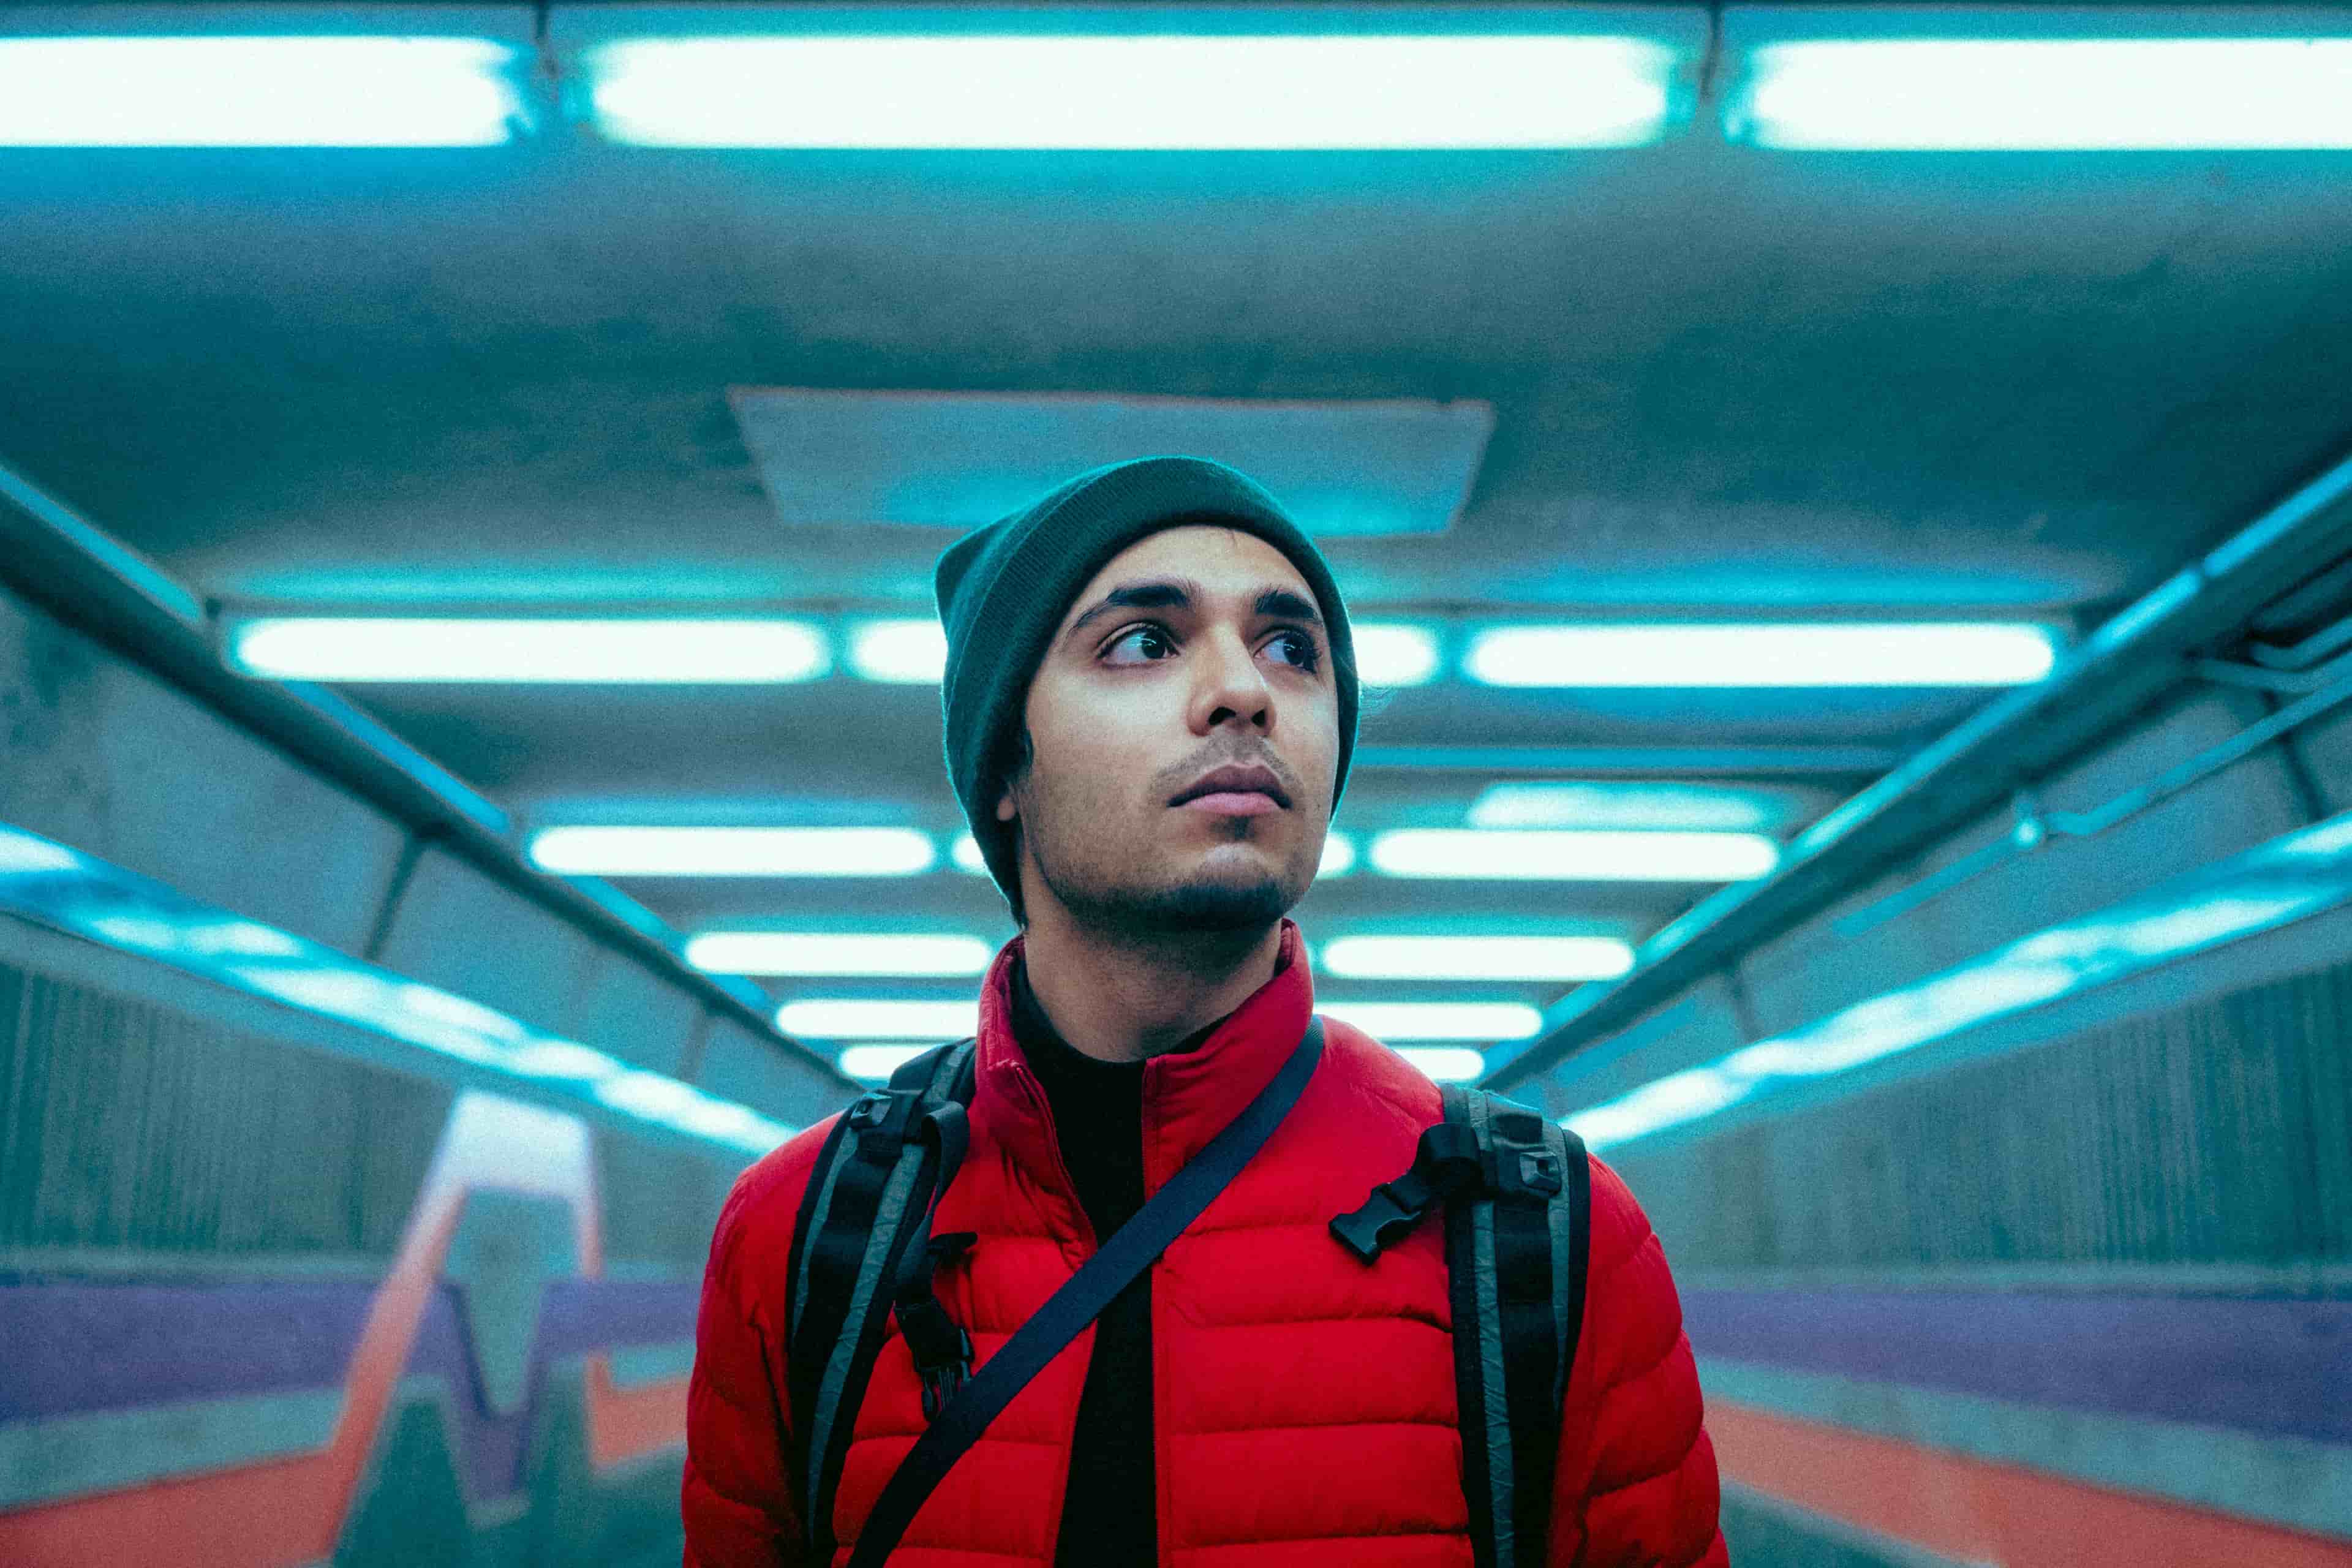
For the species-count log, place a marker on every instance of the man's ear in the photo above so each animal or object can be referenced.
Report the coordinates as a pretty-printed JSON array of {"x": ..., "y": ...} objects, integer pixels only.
[{"x": 1005, "y": 810}]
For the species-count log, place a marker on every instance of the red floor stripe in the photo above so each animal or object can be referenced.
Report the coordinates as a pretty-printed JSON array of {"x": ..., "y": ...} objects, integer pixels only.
[{"x": 1976, "y": 1512}]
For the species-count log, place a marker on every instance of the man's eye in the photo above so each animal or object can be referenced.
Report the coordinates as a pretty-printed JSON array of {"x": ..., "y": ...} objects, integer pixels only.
[{"x": 1157, "y": 634}]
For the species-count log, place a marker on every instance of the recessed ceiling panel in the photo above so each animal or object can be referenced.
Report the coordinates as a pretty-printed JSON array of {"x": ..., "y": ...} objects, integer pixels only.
[{"x": 959, "y": 460}]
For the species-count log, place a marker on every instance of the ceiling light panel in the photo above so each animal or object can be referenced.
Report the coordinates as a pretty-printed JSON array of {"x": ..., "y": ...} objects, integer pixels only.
[
  {"x": 1899, "y": 654},
  {"x": 859, "y": 1018},
  {"x": 829, "y": 457},
  {"x": 256, "y": 92},
  {"x": 837, "y": 953},
  {"x": 698, "y": 652},
  {"x": 1634, "y": 805},
  {"x": 1126, "y": 91},
  {"x": 1926, "y": 94},
  {"x": 1487, "y": 957},
  {"x": 596, "y": 850},
  {"x": 1567, "y": 854}
]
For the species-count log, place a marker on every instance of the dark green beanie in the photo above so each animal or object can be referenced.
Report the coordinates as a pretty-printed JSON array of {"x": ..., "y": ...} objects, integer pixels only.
[{"x": 1004, "y": 589}]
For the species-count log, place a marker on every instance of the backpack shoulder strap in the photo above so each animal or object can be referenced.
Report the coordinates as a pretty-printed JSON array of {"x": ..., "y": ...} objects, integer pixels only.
[
  {"x": 872, "y": 1189},
  {"x": 1516, "y": 1188}
]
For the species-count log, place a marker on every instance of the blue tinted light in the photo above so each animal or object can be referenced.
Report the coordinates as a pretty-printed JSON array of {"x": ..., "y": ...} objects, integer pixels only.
[
  {"x": 354, "y": 91},
  {"x": 2287, "y": 879},
  {"x": 1133, "y": 91},
  {"x": 1928, "y": 94},
  {"x": 1858, "y": 654},
  {"x": 732, "y": 651}
]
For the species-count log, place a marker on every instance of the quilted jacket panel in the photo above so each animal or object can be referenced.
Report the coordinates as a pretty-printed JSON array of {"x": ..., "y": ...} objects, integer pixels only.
[{"x": 1304, "y": 1402}]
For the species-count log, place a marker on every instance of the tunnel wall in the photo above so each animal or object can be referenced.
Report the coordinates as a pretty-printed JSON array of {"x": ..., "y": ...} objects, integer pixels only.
[
  {"x": 2072, "y": 1287},
  {"x": 270, "y": 1294}
]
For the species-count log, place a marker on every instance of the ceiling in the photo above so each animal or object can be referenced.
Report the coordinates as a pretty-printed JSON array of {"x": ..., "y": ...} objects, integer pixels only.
[{"x": 1723, "y": 381}]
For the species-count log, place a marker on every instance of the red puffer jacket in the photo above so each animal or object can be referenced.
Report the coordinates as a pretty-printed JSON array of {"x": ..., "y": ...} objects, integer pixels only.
[{"x": 1304, "y": 1402}]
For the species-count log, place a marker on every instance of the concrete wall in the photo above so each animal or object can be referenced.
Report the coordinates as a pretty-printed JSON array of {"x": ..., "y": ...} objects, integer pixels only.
[{"x": 2072, "y": 1287}]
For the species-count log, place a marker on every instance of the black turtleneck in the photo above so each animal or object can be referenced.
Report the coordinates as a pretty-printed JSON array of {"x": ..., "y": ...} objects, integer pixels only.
[{"x": 1109, "y": 1513}]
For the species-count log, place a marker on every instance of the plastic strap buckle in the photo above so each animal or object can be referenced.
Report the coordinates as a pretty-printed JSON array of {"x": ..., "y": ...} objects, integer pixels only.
[
  {"x": 1518, "y": 1165},
  {"x": 940, "y": 1346},
  {"x": 1446, "y": 1160}
]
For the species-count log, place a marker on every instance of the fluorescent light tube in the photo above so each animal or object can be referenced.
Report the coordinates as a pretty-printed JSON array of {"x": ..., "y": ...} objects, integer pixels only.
[
  {"x": 853, "y": 1018},
  {"x": 1390, "y": 654},
  {"x": 1477, "y": 957},
  {"x": 1133, "y": 91},
  {"x": 732, "y": 651},
  {"x": 619, "y": 851},
  {"x": 1446, "y": 1064},
  {"x": 1566, "y": 855},
  {"x": 1966, "y": 653},
  {"x": 874, "y": 1064},
  {"x": 1628, "y": 806},
  {"x": 837, "y": 952},
  {"x": 968, "y": 857},
  {"x": 1390, "y": 1021},
  {"x": 1338, "y": 855},
  {"x": 907, "y": 652},
  {"x": 352, "y": 91},
  {"x": 2048, "y": 94}
]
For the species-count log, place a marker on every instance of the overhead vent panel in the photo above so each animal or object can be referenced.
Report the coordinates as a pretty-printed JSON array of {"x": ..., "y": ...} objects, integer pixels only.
[{"x": 959, "y": 460}]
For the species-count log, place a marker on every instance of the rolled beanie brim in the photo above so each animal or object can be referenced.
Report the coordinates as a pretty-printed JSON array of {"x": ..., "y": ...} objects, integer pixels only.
[{"x": 1001, "y": 591}]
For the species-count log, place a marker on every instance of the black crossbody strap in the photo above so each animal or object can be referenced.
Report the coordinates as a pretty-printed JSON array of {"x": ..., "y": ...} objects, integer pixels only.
[{"x": 1078, "y": 1303}]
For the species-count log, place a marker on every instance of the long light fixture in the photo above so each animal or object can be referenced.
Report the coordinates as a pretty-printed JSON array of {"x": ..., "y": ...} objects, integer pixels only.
[
  {"x": 1708, "y": 654},
  {"x": 1136, "y": 91},
  {"x": 906, "y": 651},
  {"x": 1571, "y": 855},
  {"x": 2288, "y": 878},
  {"x": 837, "y": 953},
  {"x": 1391, "y": 653},
  {"x": 1391, "y": 1021},
  {"x": 875, "y": 1063},
  {"x": 1642, "y": 806},
  {"x": 1933, "y": 94},
  {"x": 716, "y": 651},
  {"x": 598, "y": 850},
  {"x": 256, "y": 92},
  {"x": 859, "y": 1018},
  {"x": 1477, "y": 957},
  {"x": 900, "y": 651},
  {"x": 1446, "y": 1064},
  {"x": 52, "y": 885}
]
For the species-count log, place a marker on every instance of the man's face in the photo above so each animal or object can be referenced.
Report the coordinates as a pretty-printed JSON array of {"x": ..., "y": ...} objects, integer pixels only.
[{"x": 1195, "y": 648}]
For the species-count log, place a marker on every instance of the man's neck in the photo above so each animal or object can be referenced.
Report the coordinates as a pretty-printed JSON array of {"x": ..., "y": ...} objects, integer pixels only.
[{"x": 1123, "y": 1004}]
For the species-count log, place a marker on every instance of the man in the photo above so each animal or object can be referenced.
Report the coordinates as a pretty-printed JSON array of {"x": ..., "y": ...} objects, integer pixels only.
[{"x": 1150, "y": 701}]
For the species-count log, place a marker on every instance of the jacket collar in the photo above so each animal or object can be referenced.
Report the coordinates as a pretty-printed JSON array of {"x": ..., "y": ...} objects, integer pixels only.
[{"x": 1187, "y": 1097}]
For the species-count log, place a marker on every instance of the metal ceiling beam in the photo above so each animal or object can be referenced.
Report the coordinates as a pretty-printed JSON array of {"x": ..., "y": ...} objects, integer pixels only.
[
  {"x": 2127, "y": 662},
  {"x": 86, "y": 577}
]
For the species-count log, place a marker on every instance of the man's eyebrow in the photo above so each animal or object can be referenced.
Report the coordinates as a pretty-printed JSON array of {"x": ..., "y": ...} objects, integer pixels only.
[{"x": 1178, "y": 592}]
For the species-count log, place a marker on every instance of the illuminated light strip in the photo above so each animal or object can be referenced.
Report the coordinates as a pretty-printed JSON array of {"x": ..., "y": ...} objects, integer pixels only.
[
  {"x": 59, "y": 886},
  {"x": 1134, "y": 91},
  {"x": 1707, "y": 654},
  {"x": 1420, "y": 1021},
  {"x": 2293, "y": 877},
  {"x": 266, "y": 91},
  {"x": 1571, "y": 855},
  {"x": 700, "y": 851},
  {"x": 909, "y": 652},
  {"x": 713, "y": 651},
  {"x": 1445, "y": 1064},
  {"x": 1485, "y": 957},
  {"x": 2047, "y": 94},
  {"x": 838, "y": 953}
]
